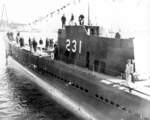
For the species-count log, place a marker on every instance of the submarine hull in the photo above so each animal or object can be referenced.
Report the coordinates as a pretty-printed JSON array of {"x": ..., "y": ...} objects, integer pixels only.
[{"x": 127, "y": 106}]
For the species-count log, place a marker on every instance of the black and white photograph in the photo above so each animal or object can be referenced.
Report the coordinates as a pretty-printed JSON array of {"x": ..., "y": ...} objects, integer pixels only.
[{"x": 74, "y": 60}]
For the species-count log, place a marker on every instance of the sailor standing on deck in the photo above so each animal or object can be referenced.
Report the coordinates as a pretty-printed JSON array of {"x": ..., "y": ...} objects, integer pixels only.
[
  {"x": 34, "y": 45},
  {"x": 46, "y": 43},
  {"x": 30, "y": 44},
  {"x": 40, "y": 43},
  {"x": 133, "y": 71},
  {"x": 63, "y": 20},
  {"x": 128, "y": 73},
  {"x": 81, "y": 19},
  {"x": 21, "y": 41},
  {"x": 71, "y": 22},
  {"x": 17, "y": 37}
]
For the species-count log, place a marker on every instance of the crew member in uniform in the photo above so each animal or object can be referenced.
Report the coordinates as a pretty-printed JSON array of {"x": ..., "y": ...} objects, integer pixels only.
[
  {"x": 34, "y": 45},
  {"x": 21, "y": 41},
  {"x": 30, "y": 44},
  {"x": 63, "y": 20},
  {"x": 133, "y": 72},
  {"x": 118, "y": 36},
  {"x": 56, "y": 51},
  {"x": 17, "y": 37},
  {"x": 128, "y": 73},
  {"x": 72, "y": 20},
  {"x": 46, "y": 43},
  {"x": 81, "y": 19},
  {"x": 40, "y": 43}
]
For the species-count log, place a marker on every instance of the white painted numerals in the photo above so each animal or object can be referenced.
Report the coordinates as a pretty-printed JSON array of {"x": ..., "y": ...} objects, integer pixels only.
[
  {"x": 80, "y": 46},
  {"x": 68, "y": 44},
  {"x": 74, "y": 45}
]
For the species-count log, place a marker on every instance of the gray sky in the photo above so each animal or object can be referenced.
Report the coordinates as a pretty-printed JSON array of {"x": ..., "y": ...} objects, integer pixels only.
[
  {"x": 118, "y": 10},
  {"x": 28, "y": 10}
]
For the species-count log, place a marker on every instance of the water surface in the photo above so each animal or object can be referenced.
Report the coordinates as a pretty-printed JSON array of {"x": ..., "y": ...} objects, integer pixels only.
[{"x": 20, "y": 99}]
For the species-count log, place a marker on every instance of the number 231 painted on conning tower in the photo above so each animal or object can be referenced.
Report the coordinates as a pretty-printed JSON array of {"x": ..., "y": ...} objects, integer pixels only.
[{"x": 73, "y": 46}]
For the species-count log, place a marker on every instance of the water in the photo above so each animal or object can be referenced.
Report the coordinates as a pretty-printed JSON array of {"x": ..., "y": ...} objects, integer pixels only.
[{"x": 20, "y": 99}]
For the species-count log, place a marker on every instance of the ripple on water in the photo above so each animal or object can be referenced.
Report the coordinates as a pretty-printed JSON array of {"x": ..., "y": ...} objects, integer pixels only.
[{"x": 22, "y": 100}]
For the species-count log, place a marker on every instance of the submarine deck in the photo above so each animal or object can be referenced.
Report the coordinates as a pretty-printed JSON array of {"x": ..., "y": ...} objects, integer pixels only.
[
  {"x": 139, "y": 88},
  {"x": 77, "y": 102}
]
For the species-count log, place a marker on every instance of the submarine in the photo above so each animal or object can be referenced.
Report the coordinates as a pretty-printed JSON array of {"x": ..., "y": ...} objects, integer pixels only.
[{"x": 80, "y": 51}]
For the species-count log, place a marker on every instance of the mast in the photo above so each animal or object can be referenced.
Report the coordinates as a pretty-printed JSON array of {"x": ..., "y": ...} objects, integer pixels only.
[{"x": 89, "y": 22}]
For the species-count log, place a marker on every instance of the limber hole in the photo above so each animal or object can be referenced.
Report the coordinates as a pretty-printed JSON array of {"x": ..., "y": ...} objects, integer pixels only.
[{"x": 96, "y": 95}]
